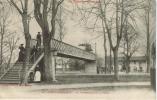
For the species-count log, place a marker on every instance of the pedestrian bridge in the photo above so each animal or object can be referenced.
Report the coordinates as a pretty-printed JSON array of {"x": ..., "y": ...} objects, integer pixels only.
[
  {"x": 66, "y": 50},
  {"x": 13, "y": 74}
]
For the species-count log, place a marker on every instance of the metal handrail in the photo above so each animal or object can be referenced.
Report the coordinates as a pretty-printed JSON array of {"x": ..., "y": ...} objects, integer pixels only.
[
  {"x": 63, "y": 43},
  {"x": 12, "y": 67},
  {"x": 34, "y": 65},
  {"x": 31, "y": 56},
  {"x": 73, "y": 46},
  {"x": 29, "y": 70},
  {"x": 5, "y": 73}
]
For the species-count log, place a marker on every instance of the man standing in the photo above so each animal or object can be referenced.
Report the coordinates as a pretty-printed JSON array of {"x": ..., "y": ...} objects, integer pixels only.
[
  {"x": 33, "y": 53},
  {"x": 21, "y": 53},
  {"x": 38, "y": 40}
]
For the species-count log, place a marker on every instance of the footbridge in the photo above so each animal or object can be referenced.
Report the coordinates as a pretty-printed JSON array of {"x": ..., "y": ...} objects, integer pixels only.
[
  {"x": 58, "y": 48},
  {"x": 66, "y": 50}
]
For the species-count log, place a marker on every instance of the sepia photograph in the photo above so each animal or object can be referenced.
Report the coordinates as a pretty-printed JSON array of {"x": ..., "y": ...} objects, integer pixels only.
[{"x": 78, "y": 49}]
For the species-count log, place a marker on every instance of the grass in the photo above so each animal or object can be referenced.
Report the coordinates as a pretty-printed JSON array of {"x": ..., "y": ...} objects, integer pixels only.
[{"x": 75, "y": 79}]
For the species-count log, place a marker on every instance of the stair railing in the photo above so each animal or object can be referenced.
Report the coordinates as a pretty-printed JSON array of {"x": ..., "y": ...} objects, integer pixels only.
[
  {"x": 20, "y": 70},
  {"x": 35, "y": 64},
  {"x": 5, "y": 72},
  {"x": 34, "y": 56}
]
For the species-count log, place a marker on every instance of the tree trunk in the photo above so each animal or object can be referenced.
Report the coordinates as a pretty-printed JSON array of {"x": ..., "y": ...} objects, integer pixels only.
[
  {"x": 148, "y": 51},
  {"x": 115, "y": 54},
  {"x": 8, "y": 64},
  {"x": 47, "y": 72},
  {"x": 110, "y": 60},
  {"x": 27, "y": 49},
  {"x": 1, "y": 49},
  {"x": 105, "y": 49},
  {"x": 2, "y": 38},
  {"x": 27, "y": 59},
  {"x": 148, "y": 39},
  {"x": 127, "y": 64}
]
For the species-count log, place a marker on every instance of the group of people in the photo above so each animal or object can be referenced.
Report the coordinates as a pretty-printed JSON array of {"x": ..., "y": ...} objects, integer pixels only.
[{"x": 34, "y": 50}]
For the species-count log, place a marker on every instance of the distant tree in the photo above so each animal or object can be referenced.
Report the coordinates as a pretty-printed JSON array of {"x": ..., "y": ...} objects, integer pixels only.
[
  {"x": 129, "y": 43},
  {"x": 76, "y": 64},
  {"x": 111, "y": 15},
  {"x": 12, "y": 45},
  {"x": 7, "y": 37},
  {"x": 147, "y": 23},
  {"x": 4, "y": 20},
  {"x": 114, "y": 22}
]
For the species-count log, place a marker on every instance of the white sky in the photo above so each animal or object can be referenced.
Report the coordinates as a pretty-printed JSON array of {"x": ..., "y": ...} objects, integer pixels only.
[{"x": 76, "y": 34}]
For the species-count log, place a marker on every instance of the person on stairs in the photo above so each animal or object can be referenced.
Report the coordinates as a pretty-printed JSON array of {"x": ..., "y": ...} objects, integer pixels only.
[
  {"x": 21, "y": 53},
  {"x": 37, "y": 75},
  {"x": 33, "y": 53},
  {"x": 38, "y": 38}
]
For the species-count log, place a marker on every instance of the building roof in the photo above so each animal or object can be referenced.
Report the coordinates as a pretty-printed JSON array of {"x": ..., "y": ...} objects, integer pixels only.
[{"x": 134, "y": 58}]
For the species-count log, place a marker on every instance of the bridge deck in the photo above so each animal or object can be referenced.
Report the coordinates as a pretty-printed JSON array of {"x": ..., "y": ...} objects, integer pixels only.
[{"x": 69, "y": 51}]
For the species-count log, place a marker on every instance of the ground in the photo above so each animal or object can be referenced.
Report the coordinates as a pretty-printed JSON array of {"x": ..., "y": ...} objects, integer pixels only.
[
  {"x": 93, "y": 91},
  {"x": 83, "y": 87}
]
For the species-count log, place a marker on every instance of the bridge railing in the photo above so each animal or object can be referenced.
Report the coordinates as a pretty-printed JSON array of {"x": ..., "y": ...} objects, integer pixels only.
[{"x": 68, "y": 50}]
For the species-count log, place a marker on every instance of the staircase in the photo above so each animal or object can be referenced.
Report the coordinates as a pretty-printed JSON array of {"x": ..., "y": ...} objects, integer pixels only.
[{"x": 13, "y": 73}]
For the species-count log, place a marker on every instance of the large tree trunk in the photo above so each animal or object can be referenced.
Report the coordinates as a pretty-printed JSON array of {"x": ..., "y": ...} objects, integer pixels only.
[
  {"x": 127, "y": 64},
  {"x": 47, "y": 72},
  {"x": 27, "y": 49},
  {"x": 27, "y": 59},
  {"x": 115, "y": 54}
]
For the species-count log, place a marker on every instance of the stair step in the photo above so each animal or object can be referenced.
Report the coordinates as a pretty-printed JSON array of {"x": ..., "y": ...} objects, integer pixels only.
[
  {"x": 9, "y": 82},
  {"x": 20, "y": 67},
  {"x": 17, "y": 69},
  {"x": 12, "y": 76},
  {"x": 10, "y": 79}
]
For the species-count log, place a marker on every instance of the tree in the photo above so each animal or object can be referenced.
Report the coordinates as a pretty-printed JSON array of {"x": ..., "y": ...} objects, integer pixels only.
[
  {"x": 4, "y": 21},
  {"x": 115, "y": 22},
  {"x": 91, "y": 12},
  {"x": 42, "y": 9},
  {"x": 147, "y": 18},
  {"x": 12, "y": 45},
  {"x": 22, "y": 7},
  {"x": 8, "y": 38},
  {"x": 129, "y": 44},
  {"x": 4, "y": 34},
  {"x": 76, "y": 64},
  {"x": 61, "y": 23},
  {"x": 112, "y": 14}
]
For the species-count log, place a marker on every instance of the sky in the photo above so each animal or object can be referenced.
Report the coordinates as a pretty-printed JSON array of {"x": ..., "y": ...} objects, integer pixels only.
[{"x": 75, "y": 32}]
